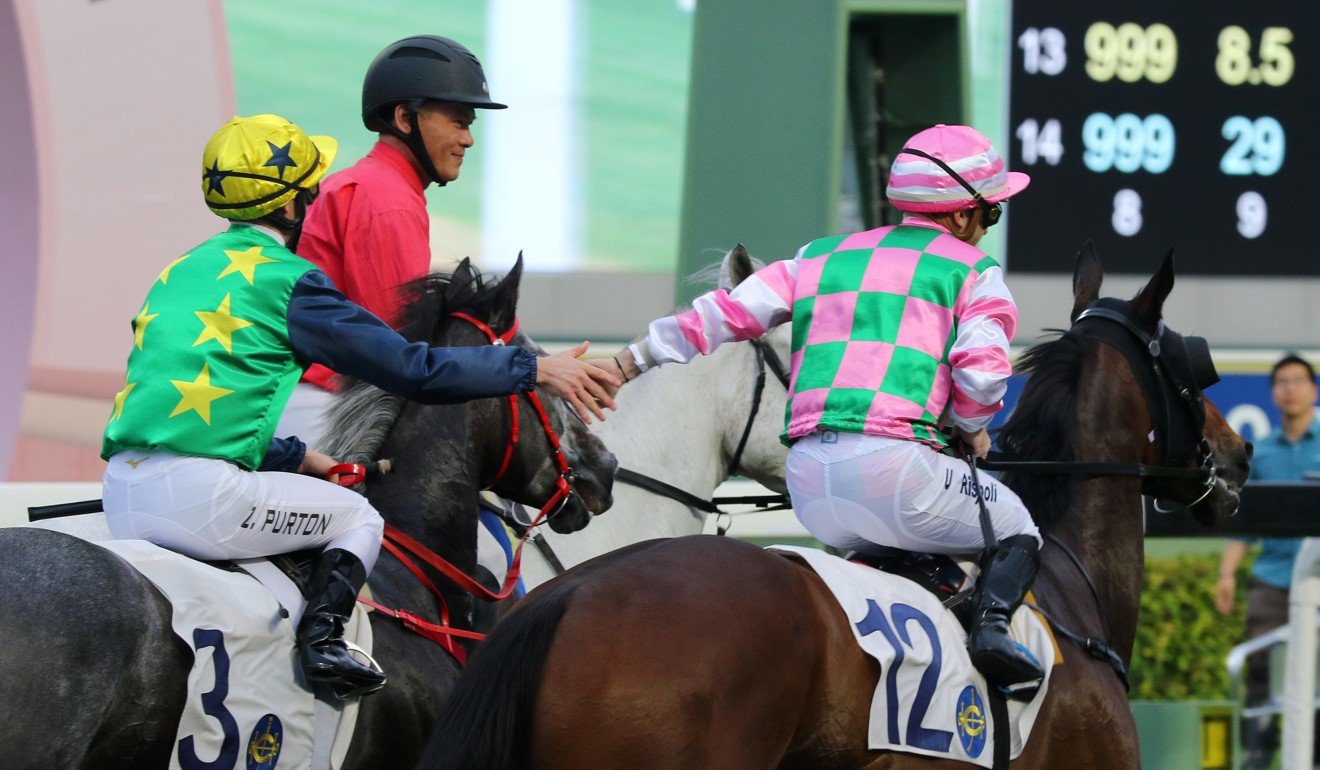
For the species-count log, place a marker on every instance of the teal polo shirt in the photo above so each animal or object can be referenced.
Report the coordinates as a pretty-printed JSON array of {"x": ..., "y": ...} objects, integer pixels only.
[{"x": 1277, "y": 459}]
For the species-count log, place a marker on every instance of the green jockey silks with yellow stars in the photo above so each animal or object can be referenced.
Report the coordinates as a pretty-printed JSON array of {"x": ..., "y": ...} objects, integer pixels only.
[
  {"x": 209, "y": 383},
  {"x": 218, "y": 345},
  {"x": 212, "y": 378}
]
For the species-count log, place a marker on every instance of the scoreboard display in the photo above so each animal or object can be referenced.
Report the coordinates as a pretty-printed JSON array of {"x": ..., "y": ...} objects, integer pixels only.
[{"x": 1181, "y": 124}]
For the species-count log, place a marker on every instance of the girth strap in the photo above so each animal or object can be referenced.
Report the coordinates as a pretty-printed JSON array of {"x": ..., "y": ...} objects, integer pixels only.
[{"x": 1002, "y": 729}]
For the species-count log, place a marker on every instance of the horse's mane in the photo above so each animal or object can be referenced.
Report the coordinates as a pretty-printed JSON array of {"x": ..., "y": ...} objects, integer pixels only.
[
  {"x": 428, "y": 301},
  {"x": 362, "y": 416},
  {"x": 1041, "y": 426}
]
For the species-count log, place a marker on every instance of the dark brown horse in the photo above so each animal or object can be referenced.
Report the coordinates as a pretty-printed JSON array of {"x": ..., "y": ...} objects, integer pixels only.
[{"x": 705, "y": 652}]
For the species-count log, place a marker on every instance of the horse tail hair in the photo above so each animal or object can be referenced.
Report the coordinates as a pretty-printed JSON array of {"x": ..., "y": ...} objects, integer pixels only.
[{"x": 487, "y": 723}]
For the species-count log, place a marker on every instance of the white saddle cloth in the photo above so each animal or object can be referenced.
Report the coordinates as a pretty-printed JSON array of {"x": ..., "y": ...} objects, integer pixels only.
[
  {"x": 246, "y": 708},
  {"x": 930, "y": 700}
]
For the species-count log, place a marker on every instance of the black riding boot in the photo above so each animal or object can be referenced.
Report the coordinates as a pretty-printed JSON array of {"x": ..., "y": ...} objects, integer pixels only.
[
  {"x": 325, "y": 657},
  {"x": 1003, "y": 662}
]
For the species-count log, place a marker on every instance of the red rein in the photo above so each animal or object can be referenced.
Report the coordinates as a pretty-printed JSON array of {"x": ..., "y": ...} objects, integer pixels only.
[{"x": 401, "y": 545}]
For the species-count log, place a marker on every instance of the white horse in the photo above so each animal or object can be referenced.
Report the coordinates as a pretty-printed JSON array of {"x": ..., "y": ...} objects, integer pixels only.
[{"x": 681, "y": 425}]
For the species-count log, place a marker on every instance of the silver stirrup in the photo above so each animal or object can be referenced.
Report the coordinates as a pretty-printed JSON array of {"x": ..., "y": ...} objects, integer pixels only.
[{"x": 363, "y": 657}]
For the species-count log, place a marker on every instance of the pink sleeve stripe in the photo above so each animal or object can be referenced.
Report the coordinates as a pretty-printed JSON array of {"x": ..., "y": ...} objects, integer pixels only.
[
  {"x": 1000, "y": 309},
  {"x": 689, "y": 322},
  {"x": 969, "y": 408},
  {"x": 780, "y": 278},
  {"x": 736, "y": 317},
  {"x": 992, "y": 360}
]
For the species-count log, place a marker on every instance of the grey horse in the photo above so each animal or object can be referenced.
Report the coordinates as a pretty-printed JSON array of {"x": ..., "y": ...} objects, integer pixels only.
[{"x": 92, "y": 675}]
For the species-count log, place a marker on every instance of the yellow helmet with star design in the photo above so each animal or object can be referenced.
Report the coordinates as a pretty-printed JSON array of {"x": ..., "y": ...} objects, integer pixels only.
[{"x": 253, "y": 166}]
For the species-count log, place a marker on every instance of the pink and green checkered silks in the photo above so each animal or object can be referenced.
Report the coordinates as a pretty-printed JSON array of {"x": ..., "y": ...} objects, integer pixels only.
[
  {"x": 871, "y": 347},
  {"x": 897, "y": 331}
]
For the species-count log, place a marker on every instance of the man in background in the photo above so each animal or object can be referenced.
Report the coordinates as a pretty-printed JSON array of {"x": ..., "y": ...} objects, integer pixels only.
[{"x": 1286, "y": 454}]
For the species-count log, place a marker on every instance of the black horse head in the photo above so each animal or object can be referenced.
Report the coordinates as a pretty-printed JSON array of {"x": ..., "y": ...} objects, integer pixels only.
[
  {"x": 1162, "y": 391},
  {"x": 439, "y": 313}
]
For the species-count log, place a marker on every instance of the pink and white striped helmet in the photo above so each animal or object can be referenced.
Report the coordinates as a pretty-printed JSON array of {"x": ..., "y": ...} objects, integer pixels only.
[{"x": 921, "y": 185}]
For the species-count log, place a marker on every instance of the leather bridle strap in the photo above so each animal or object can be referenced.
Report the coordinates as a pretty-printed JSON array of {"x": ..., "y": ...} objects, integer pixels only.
[
  {"x": 772, "y": 360},
  {"x": 1139, "y": 470},
  {"x": 765, "y": 357},
  {"x": 758, "y": 388},
  {"x": 655, "y": 486},
  {"x": 400, "y": 545},
  {"x": 499, "y": 339}
]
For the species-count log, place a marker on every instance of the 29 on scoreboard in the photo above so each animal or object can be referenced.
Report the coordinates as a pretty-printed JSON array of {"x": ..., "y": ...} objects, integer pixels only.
[{"x": 1148, "y": 126}]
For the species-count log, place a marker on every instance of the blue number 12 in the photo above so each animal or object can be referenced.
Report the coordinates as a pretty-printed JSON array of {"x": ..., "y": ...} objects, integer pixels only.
[{"x": 897, "y": 636}]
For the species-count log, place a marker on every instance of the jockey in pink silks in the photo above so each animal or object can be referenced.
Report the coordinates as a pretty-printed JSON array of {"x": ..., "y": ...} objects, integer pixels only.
[{"x": 900, "y": 342}]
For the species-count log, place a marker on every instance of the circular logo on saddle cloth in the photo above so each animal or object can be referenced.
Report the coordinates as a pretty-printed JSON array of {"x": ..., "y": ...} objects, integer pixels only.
[
  {"x": 971, "y": 721},
  {"x": 264, "y": 745}
]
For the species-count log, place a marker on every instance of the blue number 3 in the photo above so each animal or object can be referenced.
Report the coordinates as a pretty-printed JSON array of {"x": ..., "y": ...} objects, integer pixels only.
[
  {"x": 213, "y": 704},
  {"x": 897, "y": 636}
]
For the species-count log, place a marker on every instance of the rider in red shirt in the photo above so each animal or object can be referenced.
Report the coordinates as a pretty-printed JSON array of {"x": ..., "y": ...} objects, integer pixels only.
[
  {"x": 369, "y": 233},
  {"x": 369, "y": 229}
]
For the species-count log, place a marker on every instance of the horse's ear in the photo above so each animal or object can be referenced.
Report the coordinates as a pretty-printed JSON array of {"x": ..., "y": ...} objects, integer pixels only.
[
  {"x": 505, "y": 308},
  {"x": 464, "y": 273},
  {"x": 736, "y": 267},
  {"x": 1149, "y": 302},
  {"x": 1087, "y": 277}
]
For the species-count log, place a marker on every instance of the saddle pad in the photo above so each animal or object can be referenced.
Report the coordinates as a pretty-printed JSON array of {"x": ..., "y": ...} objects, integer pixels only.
[
  {"x": 245, "y": 707},
  {"x": 930, "y": 700}
]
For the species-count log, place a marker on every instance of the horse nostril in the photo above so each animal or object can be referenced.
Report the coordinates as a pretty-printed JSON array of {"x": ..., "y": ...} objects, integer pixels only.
[{"x": 1248, "y": 448}]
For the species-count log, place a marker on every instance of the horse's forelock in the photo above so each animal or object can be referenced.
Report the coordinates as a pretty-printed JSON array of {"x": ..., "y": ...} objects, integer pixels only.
[
  {"x": 429, "y": 301},
  {"x": 362, "y": 415}
]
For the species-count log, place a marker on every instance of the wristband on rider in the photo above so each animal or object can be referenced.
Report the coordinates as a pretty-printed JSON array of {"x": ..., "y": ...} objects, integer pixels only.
[{"x": 623, "y": 373}]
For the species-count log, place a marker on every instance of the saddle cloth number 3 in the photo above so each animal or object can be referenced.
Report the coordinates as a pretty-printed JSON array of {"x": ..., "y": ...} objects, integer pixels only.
[{"x": 213, "y": 705}]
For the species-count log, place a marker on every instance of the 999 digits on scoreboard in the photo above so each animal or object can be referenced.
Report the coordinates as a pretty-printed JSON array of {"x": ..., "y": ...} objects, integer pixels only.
[{"x": 1146, "y": 126}]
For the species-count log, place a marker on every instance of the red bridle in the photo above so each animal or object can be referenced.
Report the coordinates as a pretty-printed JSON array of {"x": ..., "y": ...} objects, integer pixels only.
[{"x": 401, "y": 545}]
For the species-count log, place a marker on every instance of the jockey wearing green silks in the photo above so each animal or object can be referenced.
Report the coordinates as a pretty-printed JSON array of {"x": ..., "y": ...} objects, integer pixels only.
[{"x": 224, "y": 334}]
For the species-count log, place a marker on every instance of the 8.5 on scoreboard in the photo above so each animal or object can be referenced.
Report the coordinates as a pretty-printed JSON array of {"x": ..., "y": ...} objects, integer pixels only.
[{"x": 1181, "y": 124}]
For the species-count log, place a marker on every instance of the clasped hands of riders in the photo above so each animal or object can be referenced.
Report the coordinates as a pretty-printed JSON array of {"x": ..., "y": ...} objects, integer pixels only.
[{"x": 588, "y": 387}]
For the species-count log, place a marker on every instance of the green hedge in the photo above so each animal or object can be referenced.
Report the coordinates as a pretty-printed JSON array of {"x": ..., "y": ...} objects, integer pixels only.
[{"x": 1182, "y": 640}]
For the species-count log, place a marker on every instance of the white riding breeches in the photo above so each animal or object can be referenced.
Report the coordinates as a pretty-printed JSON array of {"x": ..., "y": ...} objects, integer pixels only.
[
  {"x": 852, "y": 490},
  {"x": 212, "y": 509},
  {"x": 305, "y": 415}
]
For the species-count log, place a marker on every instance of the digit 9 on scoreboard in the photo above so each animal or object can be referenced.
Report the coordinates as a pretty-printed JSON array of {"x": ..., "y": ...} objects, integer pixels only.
[{"x": 1182, "y": 124}]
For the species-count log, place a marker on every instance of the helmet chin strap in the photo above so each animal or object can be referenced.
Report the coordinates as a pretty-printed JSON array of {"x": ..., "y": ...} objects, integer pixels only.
[
  {"x": 294, "y": 224},
  {"x": 415, "y": 143}
]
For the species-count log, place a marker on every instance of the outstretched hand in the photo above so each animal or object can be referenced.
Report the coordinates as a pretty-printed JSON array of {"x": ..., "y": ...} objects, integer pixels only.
[
  {"x": 588, "y": 388},
  {"x": 620, "y": 364}
]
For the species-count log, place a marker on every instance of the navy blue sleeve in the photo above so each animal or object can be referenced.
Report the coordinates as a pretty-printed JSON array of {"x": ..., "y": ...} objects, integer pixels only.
[
  {"x": 326, "y": 328},
  {"x": 284, "y": 454}
]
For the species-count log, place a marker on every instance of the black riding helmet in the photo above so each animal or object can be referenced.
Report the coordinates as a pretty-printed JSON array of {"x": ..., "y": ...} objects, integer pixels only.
[{"x": 414, "y": 70}]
